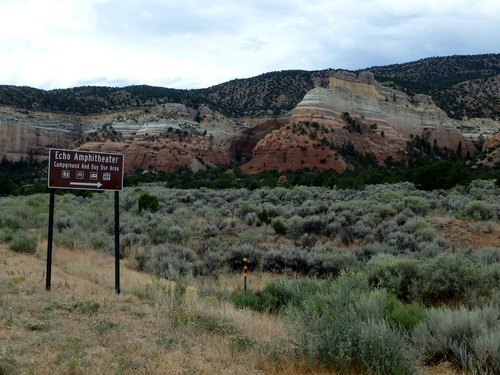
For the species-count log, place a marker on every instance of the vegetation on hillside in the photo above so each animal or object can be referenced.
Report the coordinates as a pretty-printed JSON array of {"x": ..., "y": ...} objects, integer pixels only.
[
  {"x": 25, "y": 176},
  {"x": 464, "y": 86},
  {"x": 370, "y": 266},
  {"x": 461, "y": 85},
  {"x": 29, "y": 177}
]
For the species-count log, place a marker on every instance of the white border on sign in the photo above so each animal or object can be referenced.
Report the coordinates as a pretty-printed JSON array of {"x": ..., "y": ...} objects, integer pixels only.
[{"x": 89, "y": 152}]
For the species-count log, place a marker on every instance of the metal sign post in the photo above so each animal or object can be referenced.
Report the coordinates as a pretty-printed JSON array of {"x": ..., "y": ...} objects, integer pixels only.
[
  {"x": 117, "y": 242},
  {"x": 49, "y": 240},
  {"x": 83, "y": 170}
]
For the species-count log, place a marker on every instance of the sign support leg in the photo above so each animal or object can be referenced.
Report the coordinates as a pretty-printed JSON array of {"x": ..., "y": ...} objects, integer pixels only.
[
  {"x": 117, "y": 242},
  {"x": 49, "y": 241}
]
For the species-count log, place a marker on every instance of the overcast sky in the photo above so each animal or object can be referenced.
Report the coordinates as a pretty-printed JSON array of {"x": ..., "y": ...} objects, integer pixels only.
[{"x": 198, "y": 43}]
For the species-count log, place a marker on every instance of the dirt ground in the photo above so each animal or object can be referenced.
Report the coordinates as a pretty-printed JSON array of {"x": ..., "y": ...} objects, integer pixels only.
[{"x": 464, "y": 234}]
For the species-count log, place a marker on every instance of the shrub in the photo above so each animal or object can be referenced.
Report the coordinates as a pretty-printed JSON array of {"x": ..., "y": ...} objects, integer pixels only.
[
  {"x": 264, "y": 217},
  {"x": 252, "y": 219},
  {"x": 260, "y": 301},
  {"x": 6, "y": 234},
  {"x": 23, "y": 242},
  {"x": 211, "y": 263},
  {"x": 12, "y": 221},
  {"x": 100, "y": 240},
  {"x": 333, "y": 328},
  {"x": 487, "y": 255},
  {"x": 313, "y": 225},
  {"x": 405, "y": 316},
  {"x": 420, "y": 228},
  {"x": 236, "y": 253},
  {"x": 478, "y": 210},
  {"x": 418, "y": 205},
  {"x": 335, "y": 262},
  {"x": 367, "y": 252},
  {"x": 160, "y": 232},
  {"x": 71, "y": 237},
  {"x": 294, "y": 226},
  {"x": 148, "y": 202},
  {"x": 449, "y": 278},
  {"x": 279, "y": 227},
  {"x": 469, "y": 338},
  {"x": 64, "y": 221},
  {"x": 168, "y": 260},
  {"x": 396, "y": 274},
  {"x": 384, "y": 210},
  {"x": 286, "y": 258}
]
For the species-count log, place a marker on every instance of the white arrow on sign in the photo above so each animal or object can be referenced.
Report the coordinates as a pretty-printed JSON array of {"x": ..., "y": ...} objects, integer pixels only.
[{"x": 96, "y": 184}]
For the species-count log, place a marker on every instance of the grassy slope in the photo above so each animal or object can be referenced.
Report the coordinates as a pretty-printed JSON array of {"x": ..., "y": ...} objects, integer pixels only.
[
  {"x": 83, "y": 327},
  {"x": 146, "y": 329}
]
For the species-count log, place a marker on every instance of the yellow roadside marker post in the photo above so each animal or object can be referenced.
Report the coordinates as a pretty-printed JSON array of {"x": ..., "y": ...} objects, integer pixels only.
[{"x": 245, "y": 272}]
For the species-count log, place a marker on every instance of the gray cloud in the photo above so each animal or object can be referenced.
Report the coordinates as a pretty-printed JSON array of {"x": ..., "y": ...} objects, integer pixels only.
[{"x": 195, "y": 43}]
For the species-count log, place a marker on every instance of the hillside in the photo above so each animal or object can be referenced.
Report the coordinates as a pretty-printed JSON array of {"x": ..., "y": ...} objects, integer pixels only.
[
  {"x": 153, "y": 327},
  {"x": 460, "y": 85},
  {"x": 464, "y": 86},
  {"x": 367, "y": 264}
]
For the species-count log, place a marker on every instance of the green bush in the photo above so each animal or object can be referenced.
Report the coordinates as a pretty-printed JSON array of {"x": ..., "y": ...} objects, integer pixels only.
[
  {"x": 418, "y": 205},
  {"x": 6, "y": 234},
  {"x": 280, "y": 294},
  {"x": 478, "y": 210},
  {"x": 168, "y": 260},
  {"x": 468, "y": 338},
  {"x": 148, "y": 202},
  {"x": 23, "y": 242},
  {"x": 449, "y": 278},
  {"x": 264, "y": 217},
  {"x": 279, "y": 227},
  {"x": 405, "y": 316},
  {"x": 9, "y": 220},
  {"x": 260, "y": 301},
  {"x": 100, "y": 240},
  {"x": 236, "y": 253},
  {"x": 245, "y": 299},
  {"x": 396, "y": 274},
  {"x": 336, "y": 326}
]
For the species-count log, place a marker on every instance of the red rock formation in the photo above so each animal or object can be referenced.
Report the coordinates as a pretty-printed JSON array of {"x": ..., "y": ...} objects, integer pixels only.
[
  {"x": 164, "y": 154},
  {"x": 385, "y": 122},
  {"x": 492, "y": 141}
]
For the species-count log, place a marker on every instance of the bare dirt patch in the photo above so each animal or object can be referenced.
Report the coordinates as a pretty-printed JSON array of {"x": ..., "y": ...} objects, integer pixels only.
[{"x": 466, "y": 234}]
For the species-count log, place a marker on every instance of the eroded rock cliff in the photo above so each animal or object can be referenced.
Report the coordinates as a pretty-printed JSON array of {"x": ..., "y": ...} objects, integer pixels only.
[
  {"x": 354, "y": 121},
  {"x": 356, "y": 116}
]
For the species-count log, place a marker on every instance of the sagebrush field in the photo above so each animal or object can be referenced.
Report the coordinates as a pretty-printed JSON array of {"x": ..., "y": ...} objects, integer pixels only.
[{"x": 387, "y": 279}]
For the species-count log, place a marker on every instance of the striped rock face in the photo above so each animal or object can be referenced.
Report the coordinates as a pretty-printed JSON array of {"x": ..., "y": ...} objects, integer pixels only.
[{"x": 356, "y": 115}]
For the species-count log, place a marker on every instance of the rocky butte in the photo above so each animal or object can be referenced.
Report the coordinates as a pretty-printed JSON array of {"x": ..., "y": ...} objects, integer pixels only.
[{"x": 356, "y": 114}]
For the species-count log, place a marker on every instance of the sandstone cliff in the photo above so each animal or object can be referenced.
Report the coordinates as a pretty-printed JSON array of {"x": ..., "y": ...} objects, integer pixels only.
[
  {"x": 164, "y": 137},
  {"x": 491, "y": 151},
  {"x": 30, "y": 133},
  {"x": 354, "y": 121},
  {"x": 358, "y": 115}
]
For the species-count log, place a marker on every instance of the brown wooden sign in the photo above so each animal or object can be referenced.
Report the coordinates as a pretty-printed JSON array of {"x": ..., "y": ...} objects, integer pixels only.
[{"x": 74, "y": 169}]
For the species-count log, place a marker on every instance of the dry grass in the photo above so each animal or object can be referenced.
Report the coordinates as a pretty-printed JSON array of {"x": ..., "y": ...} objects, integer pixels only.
[{"x": 82, "y": 327}]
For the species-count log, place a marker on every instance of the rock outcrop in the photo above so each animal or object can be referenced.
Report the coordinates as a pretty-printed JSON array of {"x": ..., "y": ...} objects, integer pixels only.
[
  {"x": 355, "y": 121},
  {"x": 26, "y": 134},
  {"x": 491, "y": 151},
  {"x": 358, "y": 115},
  {"x": 164, "y": 137}
]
